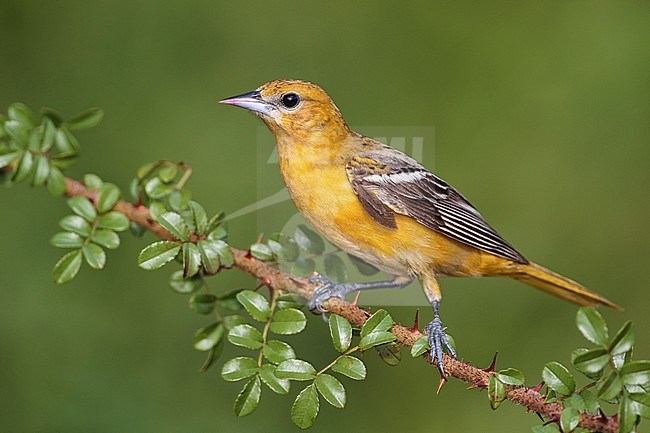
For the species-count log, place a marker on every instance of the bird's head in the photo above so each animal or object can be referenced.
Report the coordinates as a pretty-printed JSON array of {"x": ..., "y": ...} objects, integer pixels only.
[{"x": 292, "y": 108}]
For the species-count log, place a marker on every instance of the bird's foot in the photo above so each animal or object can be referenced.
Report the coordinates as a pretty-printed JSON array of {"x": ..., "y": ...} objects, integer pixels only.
[
  {"x": 326, "y": 289},
  {"x": 438, "y": 342}
]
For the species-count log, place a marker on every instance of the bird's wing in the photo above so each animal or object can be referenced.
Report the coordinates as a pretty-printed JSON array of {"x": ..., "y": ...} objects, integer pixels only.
[{"x": 389, "y": 182}]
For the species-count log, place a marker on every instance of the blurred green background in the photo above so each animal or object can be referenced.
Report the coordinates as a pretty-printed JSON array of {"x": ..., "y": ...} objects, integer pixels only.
[{"x": 541, "y": 112}]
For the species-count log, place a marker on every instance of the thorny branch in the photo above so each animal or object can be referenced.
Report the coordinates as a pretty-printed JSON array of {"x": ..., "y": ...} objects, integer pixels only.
[{"x": 529, "y": 397}]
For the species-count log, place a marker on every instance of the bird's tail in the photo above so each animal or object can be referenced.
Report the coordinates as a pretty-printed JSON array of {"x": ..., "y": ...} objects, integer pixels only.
[{"x": 557, "y": 285}]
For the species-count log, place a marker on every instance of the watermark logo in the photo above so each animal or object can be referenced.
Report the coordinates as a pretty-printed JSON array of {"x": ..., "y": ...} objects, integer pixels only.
[{"x": 276, "y": 213}]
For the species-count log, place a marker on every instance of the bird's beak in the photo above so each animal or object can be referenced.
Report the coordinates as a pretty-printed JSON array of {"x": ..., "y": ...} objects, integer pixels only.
[{"x": 251, "y": 101}]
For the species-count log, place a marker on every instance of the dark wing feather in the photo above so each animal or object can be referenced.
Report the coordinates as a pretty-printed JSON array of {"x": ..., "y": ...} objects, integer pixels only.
[{"x": 389, "y": 183}]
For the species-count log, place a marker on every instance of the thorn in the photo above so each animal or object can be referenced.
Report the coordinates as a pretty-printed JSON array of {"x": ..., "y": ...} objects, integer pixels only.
[
  {"x": 356, "y": 298},
  {"x": 442, "y": 382},
  {"x": 603, "y": 416},
  {"x": 263, "y": 282},
  {"x": 475, "y": 385},
  {"x": 490, "y": 369},
  {"x": 537, "y": 387},
  {"x": 260, "y": 237},
  {"x": 416, "y": 324}
]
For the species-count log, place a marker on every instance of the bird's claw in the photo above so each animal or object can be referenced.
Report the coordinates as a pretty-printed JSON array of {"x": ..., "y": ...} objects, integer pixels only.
[
  {"x": 438, "y": 342},
  {"x": 326, "y": 289}
]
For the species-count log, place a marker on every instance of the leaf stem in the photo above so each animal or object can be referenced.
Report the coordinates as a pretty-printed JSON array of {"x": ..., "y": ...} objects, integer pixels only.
[{"x": 328, "y": 366}]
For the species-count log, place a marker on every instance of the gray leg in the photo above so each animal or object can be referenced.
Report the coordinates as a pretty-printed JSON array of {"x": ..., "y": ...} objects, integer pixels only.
[
  {"x": 438, "y": 339},
  {"x": 435, "y": 331},
  {"x": 327, "y": 289}
]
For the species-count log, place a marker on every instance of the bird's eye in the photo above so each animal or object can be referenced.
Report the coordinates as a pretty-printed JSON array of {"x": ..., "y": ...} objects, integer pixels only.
[{"x": 290, "y": 99}]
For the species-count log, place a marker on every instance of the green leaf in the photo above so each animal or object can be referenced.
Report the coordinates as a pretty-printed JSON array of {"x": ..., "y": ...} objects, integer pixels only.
[
  {"x": 626, "y": 415},
  {"x": 66, "y": 240},
  {"x": 610, "y": 387},
  {"x": 208, "y": 337},
  {"x": 239, "y": 368},
  {"x": 290, "y": 249},
  {"x": 179, "y": 200},
  {"x": 225, "y": 254},
  {"x": 341, "y": 332},
  {"x": 558, "y": 378},
  {"x": 8, "y": 158},
  {"x": 364, "y": 268},
  {"x": 191, "y": 259},
  {"x": 549, "y": 428},
  {"x": 591, "y": 402},
  {"x": 278, "y": 351},
  {"x": 156, "y": 209},
  {"x": 309, "y": 240},
  {"x": 592, "y": 361},
  {"x": 64, "y": 160},
  {"x": 83, "y": 207},
  {"x": 158, "y": 254},
  {"x": 86, "y": 119},
  {"x": 331, "y": 389},
  {"x": 174, "y": 224},
  {"x": 22, "y": 114},
  {"x": 156, "y": 189},
  {"x": 378, "y": 322},
  {"x": 184, "y": 285},
  {"x": 511, "y": 376},
  {"x": 636, "y": 373},
  {"x": 168, "y": 173},
  {"x": 146, "y": 169},
  {"x": 42, "y": 171},
  {"x": 214, "y": 222},
  {"x": 106, "y": 238},
  {"x": 248, "y": 398},
  {"x": 24, "y": 166},
  {"x": 107, "y": 196},
  {"x": 351, "y": 367},
  {"x": 114, "y": 221},
  {"x": 200, "y": 217},
  {"x": 391, "y": 353},
  {"x": 305, "y": 408},
  {"x": 569, "y": 420},
  {"x": 245, "y": 336},
  {"x": 277, "y": 385},
  {"x": 94, "y": 255},
  {"x": 261, "y": 251},
  {"x": 76, "y": 224},
  {"x": 295, "y": 369},
  {"x": 233, "y": 320},
  {"x": 335, "y": 268},
  {"x": 420, "y": 346},
  {"x": 48, "y": 134},
  {"x": 288, "y": 300},
  {"x": 592, "y": 325},
  {"x": 202, "y": 303},
  {"x": 92, "y": 181},
  {"x": 576, "y": 402},
  {"x": 303, "y": 267},
  {"x": 65, "y": 141},
  {"x": 496, "y": 392},
  {"x": 55, "y": 182},
  {"x": 375, "y": 339},
  {"x": 229, "y": 300},
  {"x": 256, "y": 305},
  {"x": 209, "y": 251},
  {"x": 67, "y": 267},
  {"x": 641, "y": 404},
  {"x": 288, "y": 321},
  {"x": 623, "y": 341}
]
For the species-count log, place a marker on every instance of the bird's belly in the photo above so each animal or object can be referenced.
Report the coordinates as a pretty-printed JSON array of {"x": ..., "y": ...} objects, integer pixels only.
[{"x": 325, "y": 198}]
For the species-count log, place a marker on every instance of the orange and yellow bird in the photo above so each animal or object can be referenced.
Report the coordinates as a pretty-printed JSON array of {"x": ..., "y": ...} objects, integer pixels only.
[{"x": 378, "y": 204}]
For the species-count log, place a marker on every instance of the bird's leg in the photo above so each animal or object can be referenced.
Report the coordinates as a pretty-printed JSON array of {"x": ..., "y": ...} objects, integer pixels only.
[
  {"x": 327, "y": 289},
  {"x": 435, "y": 331}
]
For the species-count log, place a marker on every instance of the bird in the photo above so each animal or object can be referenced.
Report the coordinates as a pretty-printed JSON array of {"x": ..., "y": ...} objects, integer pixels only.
[{"x": 382, "y": 206}]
